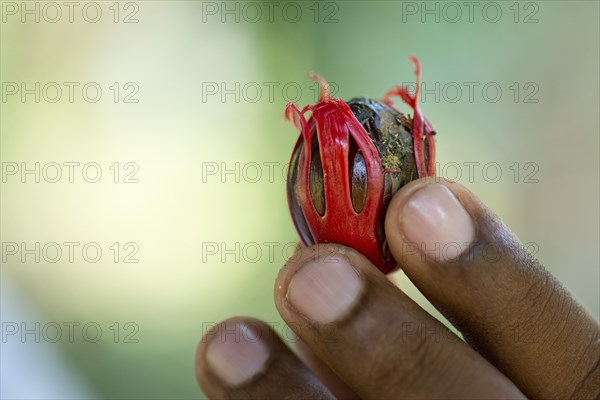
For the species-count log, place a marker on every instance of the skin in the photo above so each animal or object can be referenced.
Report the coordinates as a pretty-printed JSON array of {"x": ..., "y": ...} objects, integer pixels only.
[{"x": 524, "y": 334}]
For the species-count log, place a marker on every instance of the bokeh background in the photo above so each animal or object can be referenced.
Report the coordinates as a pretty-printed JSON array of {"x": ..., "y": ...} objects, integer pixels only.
[{"x": 192, "y": 221}]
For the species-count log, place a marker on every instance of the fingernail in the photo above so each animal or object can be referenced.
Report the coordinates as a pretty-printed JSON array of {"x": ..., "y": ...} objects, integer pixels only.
[
  {"x": 236, "y": 353},
  {"x": 434, "y": 220},
  {"x": 325, "y": 290}
]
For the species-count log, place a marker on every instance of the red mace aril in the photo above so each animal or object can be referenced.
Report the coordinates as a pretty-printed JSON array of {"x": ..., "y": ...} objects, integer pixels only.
[{"x": 350, "y": 159}]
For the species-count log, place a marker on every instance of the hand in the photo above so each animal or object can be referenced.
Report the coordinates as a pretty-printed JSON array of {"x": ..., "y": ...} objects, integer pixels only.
[{"x": 361, "y": 336}]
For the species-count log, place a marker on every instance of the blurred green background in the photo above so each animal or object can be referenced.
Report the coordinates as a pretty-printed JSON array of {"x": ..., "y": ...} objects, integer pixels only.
[{"x": 191, "y": 106}]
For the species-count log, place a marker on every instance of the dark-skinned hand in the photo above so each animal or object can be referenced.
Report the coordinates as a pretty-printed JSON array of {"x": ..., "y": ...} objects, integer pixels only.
[{"x": 362, "y": 337}]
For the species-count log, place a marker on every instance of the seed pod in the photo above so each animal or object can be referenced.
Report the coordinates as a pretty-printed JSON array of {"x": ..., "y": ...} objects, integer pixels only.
[{"x": 347, "y": 164}]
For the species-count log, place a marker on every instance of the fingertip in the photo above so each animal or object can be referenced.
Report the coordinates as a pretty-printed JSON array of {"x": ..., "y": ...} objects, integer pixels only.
[
  {"x": 232, "y": 353},
  {"x": 428, "y": 218},
  {"x": 322, "y": 283},
  {"x": 242, "y": 357}
]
